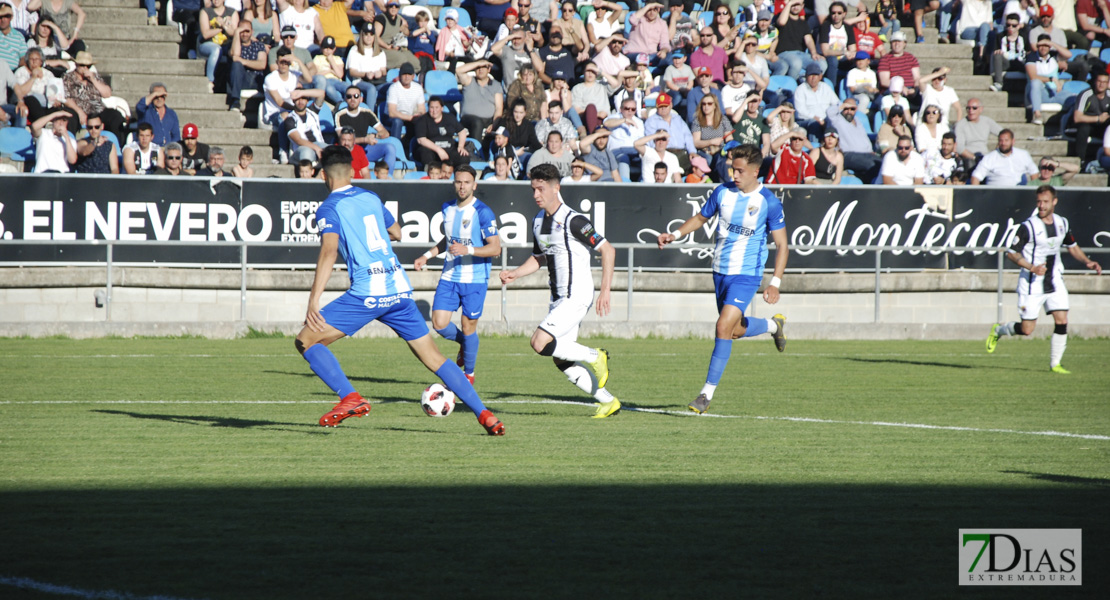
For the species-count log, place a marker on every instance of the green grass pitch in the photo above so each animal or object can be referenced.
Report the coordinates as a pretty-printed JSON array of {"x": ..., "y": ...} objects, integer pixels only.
[{"x": 191, "y": 468}]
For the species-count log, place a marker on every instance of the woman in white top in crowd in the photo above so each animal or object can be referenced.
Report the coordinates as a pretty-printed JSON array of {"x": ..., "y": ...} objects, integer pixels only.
[
  {"x": 52, "y": 41},
  {"x": 604, "y": 21},
  {"x": 938, "y": 93},
  {"x": 928, "y": 132},
  {"x": 366, "y": 63},
  {"x": 758, "y": 74},
  {"x": 310, "y": 31}
]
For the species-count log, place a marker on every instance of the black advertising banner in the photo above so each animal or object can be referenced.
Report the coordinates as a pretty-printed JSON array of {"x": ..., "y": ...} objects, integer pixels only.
[{"x": 77, "y": 207}]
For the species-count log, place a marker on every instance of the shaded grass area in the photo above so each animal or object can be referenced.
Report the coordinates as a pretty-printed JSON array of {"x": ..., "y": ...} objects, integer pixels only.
[{"x": 171, "y": 470}]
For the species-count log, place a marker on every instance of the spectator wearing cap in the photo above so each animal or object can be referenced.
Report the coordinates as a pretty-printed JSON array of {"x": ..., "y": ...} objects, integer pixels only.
[
  {"x": 896, "y": 97},
  {"x": 682, "y": 27},
  {"x": 590, "y": 99},
  {"x": 490, "y": 14},
  {"x": 299, "y": 15},
  {"x": 813, "y": 100},
  {"x": 499, "y": 143},
  {"x": 1005, "y": 165},
  {"x": 13, "y": 44},
  {"x": 555, "y": 60},
  {"x": 217, "y": 27},
  {"x": 610, "y": 56},
  {"x": 390, "y": 28},
  {"x": 704, "y": 86},
  {"x": 796, "y": 48},
  {"x": 336, "y": 24},
  {"x": 300, "y": 137},
  {"x": 607, "y": 20},
  {"x": 300, "y": 63},
  {"x": 440, "y": 137},
  {"x": 766, "y": 35},
  {"x": 792, "y": 165},
  {"x": 680, "y": 139},
  {"x": 1092, "y": 17},
  {"x": 248, "y": 65},
  {"x": 1069, "y": 63},
  {"x": 735, "y": 93},
  {"x": 194, "y": 153},
  {"x": 55, "y": 151},
  {"x": 88, "y": 90},
  {"x": 574, "y": 32},
  {"x": 862, "y": 83},
  {"x": 699, "y": 170},
  {"x": 153, "y": 109},
  {"x": 904, "y": 166},
  {"x": 855, "y": 144},
  {"x": 899, "y": 63},
  {"x": 1053, "y": 172},
  {"x": 515, "y": 51},
  {"x": 678, "y": 80},
  {"x": 454, "y": 42},
  {"x": 331, "y": 68},
  {"x": 626, "y": 127},
  {"x": 215, "y": 166},
  {"x": 404, "y": 102},
  {"x": 595, "y": 151},
  {"x": 510, "y": 22},
  {"x": 359, "y": 163},
  {"x": 368, "y": 130},
  {"x": 653, "y": 150},
  {"x": 1092, "y": 113},
  {"x": 1043, "y": 73},
  {"x": 483, "y": 99},
  {"x": 828, "y": 160},
  {"x": 367, "y": 65},
  {"x": 710, "y": 56},
  {"x": 837, "y": 42},
  {"x": 650, "y": 34}
]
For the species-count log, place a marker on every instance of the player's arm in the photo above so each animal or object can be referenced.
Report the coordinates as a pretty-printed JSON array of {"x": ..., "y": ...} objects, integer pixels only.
[
  {"x": 691, "y": 225},
  {"x": 329, "y": 250},
  {"x": 608, "y": 262},
  {"x": 394, "y": 231},
  {"x": 422, "y": 261},
  {"x": 530, "y": 266},
  {"x": 782, "y": 252},
  {"x": 1020, "y": 261},
  {"x": 491, "y": 249},
  {"x": 1082, "y": 257}
]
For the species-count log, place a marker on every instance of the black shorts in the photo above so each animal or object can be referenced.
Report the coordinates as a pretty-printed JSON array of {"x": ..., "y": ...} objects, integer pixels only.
[{"x": 919, "y": 4}]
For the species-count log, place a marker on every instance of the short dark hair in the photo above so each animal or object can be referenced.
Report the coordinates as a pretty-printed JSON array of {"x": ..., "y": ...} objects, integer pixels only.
[
  {"x": 1046, "y": 189},
  {"x": 283, "y": 51},
  {"x": 555, "y": 104},
  {"x": 246, "y": 151},
  {"x": 435, "y": 99},
  {"x": 906, "y": 138},
  {"x": 333, "y": 156},
  {"x": 466, "y": 169},
  {"x": 146, "y": 127},
  {"x": 1013, "y": 17},
  {"x": 660, "y": 165},
  {"x": 380, "y": 165},
  {"x": 949, "y": 136},
  {"x": 1007, "y": 132},
  {"x": 751, "y": 154},
  {"x": 544, "y": 172}
]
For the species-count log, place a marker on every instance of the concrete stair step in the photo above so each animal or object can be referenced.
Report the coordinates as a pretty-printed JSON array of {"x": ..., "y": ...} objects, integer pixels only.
[
  {"x": 221, "y": 119},
  {"x": 956, "y": 66},
  {"x": 178, "y": 102},
  {"x": 151, "y": 66},
  {"x": 120, "y": 16},
  {"x": 228, "y": 137},
  {"x": 153, "y": 50},
  {"x": 1088, "y": 180},
  {"x": 96, "y": 30},
  {"x": 1043, "y": 147},
  {"x": 953, "y": 51},
  {"x": 113, "y": 4},
  {"x": 974, "y": 82},
  {"x": 991, "y": 100},
  {"x": 175, "y": 84},
  {"x": 269, "y": 170}
]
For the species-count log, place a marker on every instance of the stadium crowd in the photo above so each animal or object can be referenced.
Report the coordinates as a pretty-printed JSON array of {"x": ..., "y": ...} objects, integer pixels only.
[{"x": 604, "y": 91}]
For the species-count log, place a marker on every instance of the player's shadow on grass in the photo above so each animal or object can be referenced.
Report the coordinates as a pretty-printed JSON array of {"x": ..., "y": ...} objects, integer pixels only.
[
  {"x": 230, "y": 422},
  {"x": 1086, "y": 481},
  {"x": 921, "y": 363},
  {"x": 310, "y": 374}
]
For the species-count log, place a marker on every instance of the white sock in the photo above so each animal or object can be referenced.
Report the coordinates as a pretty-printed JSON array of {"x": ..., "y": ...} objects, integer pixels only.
[
  {"x": 581, "y": 377},
  {"x": 772, "y": 327},
  {"x": 708, "y": 390},
  {"x": 574, "y": 352},
  {"x": 1059, "y": 344},
  {"x": 1006, "y": 328}
]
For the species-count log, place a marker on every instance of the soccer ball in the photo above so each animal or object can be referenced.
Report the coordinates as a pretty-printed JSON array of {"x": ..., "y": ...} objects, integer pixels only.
[{"x": 437, "y": 401}]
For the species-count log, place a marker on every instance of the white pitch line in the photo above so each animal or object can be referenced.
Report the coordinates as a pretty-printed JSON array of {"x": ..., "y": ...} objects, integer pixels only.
[
  {"x": 677, "y": 413},
  {"x": 64, "y": 590}
]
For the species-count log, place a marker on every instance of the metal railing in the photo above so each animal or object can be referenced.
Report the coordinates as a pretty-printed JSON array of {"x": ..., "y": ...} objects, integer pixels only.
[{"x": 629, "y": 268}]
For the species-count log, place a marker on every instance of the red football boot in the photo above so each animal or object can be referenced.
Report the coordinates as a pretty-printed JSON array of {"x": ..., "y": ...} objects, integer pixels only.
[
  {"x": 352, "y": 406},
  {"x": 491, "y": 423}
]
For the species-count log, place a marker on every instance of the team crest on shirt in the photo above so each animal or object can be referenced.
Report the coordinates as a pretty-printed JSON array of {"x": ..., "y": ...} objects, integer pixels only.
[
  {"x": 752, "y": 209},
  {"x": 466, "y": 222}
]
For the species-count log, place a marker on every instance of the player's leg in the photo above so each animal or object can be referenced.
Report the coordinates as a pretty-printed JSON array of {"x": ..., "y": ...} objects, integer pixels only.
[
  {"x": 1029, "y": 307},
  {"x": 1057, "y": 305},
  {"x": 551, "y": 339},
  {"x": 405, "y": 320},
  {"x": 344, "y": 316},
  {"x": 473, "y": 301},
  {"x": 444, "y": 305}
]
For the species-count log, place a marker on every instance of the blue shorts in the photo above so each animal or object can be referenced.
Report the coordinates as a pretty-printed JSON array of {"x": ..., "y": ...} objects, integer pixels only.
[
  {"x": 472, "y": 297},
  {"x": 736, "y": 290},
  {"x": 349, "y": 313}
]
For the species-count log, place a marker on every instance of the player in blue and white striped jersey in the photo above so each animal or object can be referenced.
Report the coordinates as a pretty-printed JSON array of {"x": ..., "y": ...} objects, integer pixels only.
[
  {"x": 353, "y": 222},
  {"x": 471, "y": 241},
  {"x": 746, "y": 213}
]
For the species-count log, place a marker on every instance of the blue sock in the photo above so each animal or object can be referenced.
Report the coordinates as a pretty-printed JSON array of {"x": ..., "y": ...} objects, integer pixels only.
[
  {"x": 451, "y": 333},
  {"x": 470, "y": 351},
  {"x": 756, "y": 327},
  {"x": 722, "y": 350},
  {"x": 455, "y": 381},
  {"x": 327, "y": 368}
]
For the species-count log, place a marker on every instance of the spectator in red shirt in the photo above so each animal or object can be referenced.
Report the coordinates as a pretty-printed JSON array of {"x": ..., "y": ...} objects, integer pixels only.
[
  {"x": 866, "y": 40},
  {"x": 358, "y": 156},
  {"x": 793, "y": 165},
  {"x": 1088, "y": 17},
  {"x": 900, "y": 63}
]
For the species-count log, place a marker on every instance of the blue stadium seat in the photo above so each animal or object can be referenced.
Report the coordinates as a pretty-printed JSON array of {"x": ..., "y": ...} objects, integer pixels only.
[
  {"x": 415, "y": 175},
  {"x": 111, "y": 136},
  {"x": 850, "y": 180},
  {"x": 479, "y": 165},
  {"x": 443, "y": 84},
  {"x": 1075, "y": 87},
  {"x": 1104, "y": 56},
  {"x": 781, "y": 82},
  {"x": 402, "y": 161},
  {"x": 391, "y": 75},
  {"x": 705, "y": 18},
  {"x": 464, "y": 18},
  {"x": 327, "y": 120},
  {"x": 17, "y": 144}
]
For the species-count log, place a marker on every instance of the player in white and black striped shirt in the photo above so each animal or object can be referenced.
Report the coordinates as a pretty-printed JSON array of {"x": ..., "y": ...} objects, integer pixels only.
[
  {"x": 564, "y": 240},
  {"x": 1036, "y": 249}
]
